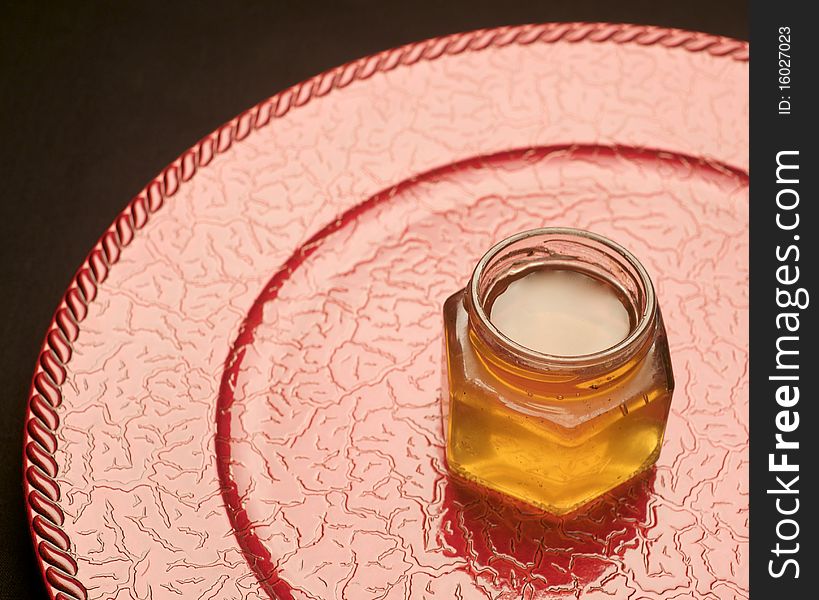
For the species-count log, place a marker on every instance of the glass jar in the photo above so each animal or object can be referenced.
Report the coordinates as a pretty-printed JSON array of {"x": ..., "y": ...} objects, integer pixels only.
[{"x": 554, "y": 431}]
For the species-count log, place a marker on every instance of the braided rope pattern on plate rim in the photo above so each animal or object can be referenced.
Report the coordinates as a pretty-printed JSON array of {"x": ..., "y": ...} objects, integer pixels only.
[{"x": 42, "y": 490}]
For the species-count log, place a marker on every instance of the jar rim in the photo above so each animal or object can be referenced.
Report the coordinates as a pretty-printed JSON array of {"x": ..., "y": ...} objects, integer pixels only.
[{"x": 534, "y": 359}]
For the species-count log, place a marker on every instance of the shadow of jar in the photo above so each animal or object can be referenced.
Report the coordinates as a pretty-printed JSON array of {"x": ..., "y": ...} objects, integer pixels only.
[{"x": 515, "y": 547}]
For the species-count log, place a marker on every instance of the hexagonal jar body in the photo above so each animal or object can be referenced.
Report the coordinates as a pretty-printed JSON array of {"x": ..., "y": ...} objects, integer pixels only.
[{"x": 554, "y": 431}]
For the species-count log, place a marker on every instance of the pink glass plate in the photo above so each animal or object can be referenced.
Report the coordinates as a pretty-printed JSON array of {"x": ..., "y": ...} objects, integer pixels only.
[{"x": 239, "y": 394}]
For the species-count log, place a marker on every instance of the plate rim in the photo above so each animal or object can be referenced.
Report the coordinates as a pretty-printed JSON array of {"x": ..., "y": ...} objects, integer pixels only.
[{"x": 41, "y": 488}]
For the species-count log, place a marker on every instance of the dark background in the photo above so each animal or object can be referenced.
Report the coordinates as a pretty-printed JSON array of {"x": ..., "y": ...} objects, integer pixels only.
[{"x": 95, "y": 99}]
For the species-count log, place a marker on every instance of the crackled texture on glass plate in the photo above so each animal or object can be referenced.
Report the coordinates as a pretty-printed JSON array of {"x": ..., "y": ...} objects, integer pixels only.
[{"x": 250, "y": 408}]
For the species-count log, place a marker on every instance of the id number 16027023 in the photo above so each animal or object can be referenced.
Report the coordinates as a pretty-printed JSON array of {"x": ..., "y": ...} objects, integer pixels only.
[{"x": 784, "y": 66}]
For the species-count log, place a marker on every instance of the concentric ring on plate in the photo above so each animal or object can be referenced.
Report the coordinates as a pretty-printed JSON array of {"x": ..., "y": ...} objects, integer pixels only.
[{"x": 336, "y": 370}]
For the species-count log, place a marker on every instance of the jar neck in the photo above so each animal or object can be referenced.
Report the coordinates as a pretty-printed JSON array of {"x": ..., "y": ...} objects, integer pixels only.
[{"x": 565, "y": 249}]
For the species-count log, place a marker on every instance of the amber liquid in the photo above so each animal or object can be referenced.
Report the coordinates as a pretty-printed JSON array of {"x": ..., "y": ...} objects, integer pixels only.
[{"x": 557, "y": 442}]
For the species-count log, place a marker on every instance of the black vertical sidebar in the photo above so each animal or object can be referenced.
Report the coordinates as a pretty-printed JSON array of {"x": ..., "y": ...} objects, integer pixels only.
[{"x": 784, "y": 467}]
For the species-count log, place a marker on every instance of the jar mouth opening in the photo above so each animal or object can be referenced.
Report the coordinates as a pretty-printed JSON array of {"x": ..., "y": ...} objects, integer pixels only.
[{"x": 566, "y": 249}]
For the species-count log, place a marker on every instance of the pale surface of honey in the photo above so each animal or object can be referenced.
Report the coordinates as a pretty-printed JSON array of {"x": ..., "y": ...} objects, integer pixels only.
[{"x": 560, "y": 312}]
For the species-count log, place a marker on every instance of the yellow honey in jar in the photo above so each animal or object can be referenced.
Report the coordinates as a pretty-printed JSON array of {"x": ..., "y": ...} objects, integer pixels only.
[{"x": 558, "y": 372}]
